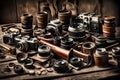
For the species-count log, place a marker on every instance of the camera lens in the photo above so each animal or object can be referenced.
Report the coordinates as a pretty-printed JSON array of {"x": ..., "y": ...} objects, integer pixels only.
[
  {"x": 61, "y": 66},
  {"x": 21, "y": 57},
  {"x": 22, "y": 45},
  {"x": 100, "y": 41},
  {"x": 116, "y": 53},
  {"x": 7, "y": 40},
  {"x": 9, "y": 35},
  {"x": 11, "y": 65},
  {"x": 18, "y": 69},
  {"x": 76, "y": 32},
  {"x": 67, "y": 43},
  {"x": 27, "y": 26},
  {"x": 47, "y": 37},
  {"x": 28, "y": 64},
  {"x": 38, "y": 31},
  {"x": 76, "y": 61},
  {"x": 44, "y": 51},
  {"x": 26, "y": 32}
]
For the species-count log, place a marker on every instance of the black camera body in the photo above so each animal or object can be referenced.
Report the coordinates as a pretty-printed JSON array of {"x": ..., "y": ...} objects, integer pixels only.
[
  {"x": 9, "y": 35},
  {"x": 55, "y": 27},
  {"x": 23, "y": 43},
  {"x": 91, "y": 22},
  {"x": 26, "y": 43}
]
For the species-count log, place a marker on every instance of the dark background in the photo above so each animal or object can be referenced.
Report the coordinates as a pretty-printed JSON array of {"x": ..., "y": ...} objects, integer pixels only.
[{"x": 11, "y": 10}]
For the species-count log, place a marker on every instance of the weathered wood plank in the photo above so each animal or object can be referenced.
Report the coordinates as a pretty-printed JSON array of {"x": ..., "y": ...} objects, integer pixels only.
[
  {"x": 8, "y": 11},
  {"x": 11, "y": 10}
]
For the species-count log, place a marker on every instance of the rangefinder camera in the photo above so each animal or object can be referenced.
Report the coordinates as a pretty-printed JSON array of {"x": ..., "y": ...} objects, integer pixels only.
[
  {"x": 91, "y": 22},
  {"x": 26, "y": 43},
  {"x": 9, "y": 35}
]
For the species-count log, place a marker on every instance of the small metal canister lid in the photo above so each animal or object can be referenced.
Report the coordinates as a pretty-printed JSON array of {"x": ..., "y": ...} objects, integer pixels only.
[{"x": 109, "y": 19}]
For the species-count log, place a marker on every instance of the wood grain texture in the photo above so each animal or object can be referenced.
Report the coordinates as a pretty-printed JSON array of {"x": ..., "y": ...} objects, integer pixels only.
[
  {"x": 11, "y": 10},
  {"x": 8, "y": 11}
]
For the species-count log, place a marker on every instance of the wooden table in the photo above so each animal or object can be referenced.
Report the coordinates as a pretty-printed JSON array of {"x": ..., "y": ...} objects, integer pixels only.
[{"x": 92, "y": 73}]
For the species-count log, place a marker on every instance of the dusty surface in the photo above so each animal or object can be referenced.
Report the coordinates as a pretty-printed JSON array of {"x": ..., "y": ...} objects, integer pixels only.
[{"x": 87, "y": 75}]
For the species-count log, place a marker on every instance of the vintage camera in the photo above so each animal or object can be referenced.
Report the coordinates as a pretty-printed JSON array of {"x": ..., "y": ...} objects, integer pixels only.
[
  {"x": 26, "y": 43},
  {"x": 91, "y": 22},
  {"x": 76, "y": 32},
  {"x": 55, "y": 27},
  {"x": 9, "y": 35}
]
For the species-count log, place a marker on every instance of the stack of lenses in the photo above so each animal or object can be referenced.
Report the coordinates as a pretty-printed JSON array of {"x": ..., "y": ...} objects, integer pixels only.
[
  {"x": 67, "y": 43},
  {"x": 109, "y": 27},
  {"x": 26, "y": 21},
  {"x": 44, "y": 51},
  {"x": 100, "y": 41},
  {"x": 76, "y": 32},
  {"x": 42, "y": 20},
  {"x": 61, "y": 66},
  {"x": 44, "y": 54},
  {"x": 64, "y": 16},
  {"x": 47, "y": 37}
]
